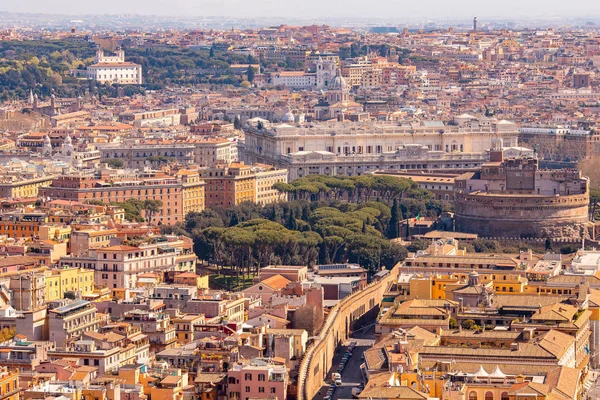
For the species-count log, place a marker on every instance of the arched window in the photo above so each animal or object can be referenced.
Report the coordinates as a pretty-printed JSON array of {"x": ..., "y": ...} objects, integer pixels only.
[
  {"x": 504, "y": 396},
  {"x": 473, "y": 396},
  {"x": 489, "y": 396}
]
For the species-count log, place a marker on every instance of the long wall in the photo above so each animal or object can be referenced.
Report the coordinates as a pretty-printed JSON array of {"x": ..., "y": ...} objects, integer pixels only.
[{"x": 317, "y": 360}]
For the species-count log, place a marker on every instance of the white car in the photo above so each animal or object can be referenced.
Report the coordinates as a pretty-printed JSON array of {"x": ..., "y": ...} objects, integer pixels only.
[{"x": 337, "y": 378}]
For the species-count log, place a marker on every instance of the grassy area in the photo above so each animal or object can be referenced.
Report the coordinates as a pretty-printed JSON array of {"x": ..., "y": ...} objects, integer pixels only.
[{"x": 229, "y": 283}]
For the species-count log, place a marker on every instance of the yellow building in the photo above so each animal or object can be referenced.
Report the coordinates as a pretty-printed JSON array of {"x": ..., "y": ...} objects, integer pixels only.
[
  {"x": 26, "y": 188},
  {"x": 184, "y": 326},
  {"x": 191, "y": 279},
  {"x": 55, "y": 232},
  {"x": 236, "y": 183},
  {"x": 439, "y": 286},
  {"x": 9, "y": 384},
  {"x": 265, "y": 179},
  {"x": 62, "y": 280},
  {"x": 192, "y": 191}
]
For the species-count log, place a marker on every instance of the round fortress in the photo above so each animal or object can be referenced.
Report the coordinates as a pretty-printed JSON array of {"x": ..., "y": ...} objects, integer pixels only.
[{"x": 513, "y": 198}]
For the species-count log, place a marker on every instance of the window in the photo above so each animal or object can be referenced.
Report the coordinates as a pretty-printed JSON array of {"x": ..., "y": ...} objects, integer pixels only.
[
  {"x": 248, "y": 377},
  {"x": 261, "y": 389},
  {"x": 247, "y": 389},
  {"x": 504, "y": 396},
  {"x": 261, "y": 377},
  {"x": 272, "y": 390},
  {"x": 489, "y": 396}
]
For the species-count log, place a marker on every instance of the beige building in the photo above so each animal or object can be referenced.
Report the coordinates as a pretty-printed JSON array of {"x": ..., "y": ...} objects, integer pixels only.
[
  {"x": 266, "y": 177},
  {"x": 71, "y": 320}
]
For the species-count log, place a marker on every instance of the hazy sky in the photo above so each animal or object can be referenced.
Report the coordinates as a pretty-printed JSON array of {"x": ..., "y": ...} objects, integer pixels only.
[{"x": 400, "y": 9}]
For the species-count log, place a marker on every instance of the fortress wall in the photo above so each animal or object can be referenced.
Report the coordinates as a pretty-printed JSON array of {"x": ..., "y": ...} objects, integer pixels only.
[
  {"x": 317, "y": 359},
  {"x": 514, "y": 216}
]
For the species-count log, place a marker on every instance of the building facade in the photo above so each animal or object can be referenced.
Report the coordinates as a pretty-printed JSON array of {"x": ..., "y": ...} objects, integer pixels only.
[{"x": 114, "y": 69}]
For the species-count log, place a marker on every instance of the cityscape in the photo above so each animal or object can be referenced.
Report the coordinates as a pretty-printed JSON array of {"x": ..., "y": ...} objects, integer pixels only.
[{"x": 330, "y": 205}]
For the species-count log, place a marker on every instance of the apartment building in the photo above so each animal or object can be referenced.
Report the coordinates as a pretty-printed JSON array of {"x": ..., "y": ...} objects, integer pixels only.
[
  {"x": 106, "y": 358},
  {"x": 71, "y": 320},
  {"x": 179, "y": 194},
  {"x": 28, "y": 291},
  {"x": 257, "y": 379},
  {"x": 12, "y": 187},
  {"x": 229, "y": 185},
  {"x": 157, "y": 118},
  {"x": 59, "y": 281},
  {"x": 24, "y": 355},
  {"x": 82, "y": 241},
  {"x": 158, "y": 327},
  {"x": 9, "y": 384},
  {"x": 119, "y": 266},
  {"x": 236, "y": 183},
  {"x": 21, "y": 225}
]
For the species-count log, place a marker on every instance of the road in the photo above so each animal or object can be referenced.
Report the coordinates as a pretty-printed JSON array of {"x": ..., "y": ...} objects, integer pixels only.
[
  {"x": 594, "y": 391},
  {"x": 352, "y": 375}
]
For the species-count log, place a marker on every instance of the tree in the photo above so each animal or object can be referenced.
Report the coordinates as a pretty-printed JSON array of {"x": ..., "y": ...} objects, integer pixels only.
[
  {"x": 115, "y": 163},
  {"x": 151, "y": 207},
  {"x": 568, "y": 249},
  {"x": 234, "y": 220},
  {"x": 211, "y": 54},
  {"x": 239, "y": 243},
  {"x": 468, "y": 324},
  {"x": 452, "y": 323},
  {"x": 250, "y": 73},
  {"x": 393, "y": 230}
]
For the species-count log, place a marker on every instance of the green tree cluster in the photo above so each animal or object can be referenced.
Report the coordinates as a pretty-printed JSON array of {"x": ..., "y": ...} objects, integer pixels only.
[
  {"x": 242, "y": 239},
  {"x": 134, "y": 207}
]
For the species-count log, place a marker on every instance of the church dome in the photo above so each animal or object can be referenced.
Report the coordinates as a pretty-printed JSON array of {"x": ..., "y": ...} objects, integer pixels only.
[
  {"x": 338, "y": 82},
  {"x": 68, "y": 140},
  {"x": 288, "y": 117}
]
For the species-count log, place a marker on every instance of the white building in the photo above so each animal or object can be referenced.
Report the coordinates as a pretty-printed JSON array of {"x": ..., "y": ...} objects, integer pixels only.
[
  {"x": 114, "y": 69},
  {"x": 324, "y": 72},
  {"x": 350, "y": 149}
]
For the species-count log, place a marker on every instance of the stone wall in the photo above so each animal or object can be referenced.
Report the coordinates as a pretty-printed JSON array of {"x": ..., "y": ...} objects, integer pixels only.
[
  {"x": 316, "y": 362},
  {"x": 522, "y": 216}
]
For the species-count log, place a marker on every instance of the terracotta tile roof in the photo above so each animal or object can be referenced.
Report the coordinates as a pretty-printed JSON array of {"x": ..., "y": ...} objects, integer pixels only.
[
  {"x": 120, "y": 248},
  {"x": 276, "y": 282}
]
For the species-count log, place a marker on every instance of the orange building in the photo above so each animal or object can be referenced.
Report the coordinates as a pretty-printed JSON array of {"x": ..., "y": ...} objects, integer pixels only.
[
  {"x": 229, "y": 185},
  {"x": 180, "y": 194}
]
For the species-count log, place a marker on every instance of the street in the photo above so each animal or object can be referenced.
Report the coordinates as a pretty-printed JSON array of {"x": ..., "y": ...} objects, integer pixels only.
[
  {"x": 594, "y": 391},
  {"x": 352, "y": 374}
]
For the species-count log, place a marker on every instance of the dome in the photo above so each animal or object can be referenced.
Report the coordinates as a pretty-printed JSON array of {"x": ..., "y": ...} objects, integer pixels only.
[
  {"x": 473, "y": 274},
  {"x": 288, "y": 117},
  {"x": 338, "y": 82},
  {"x": 47, "y": 140},
  {"x": 68, "y": 140}
]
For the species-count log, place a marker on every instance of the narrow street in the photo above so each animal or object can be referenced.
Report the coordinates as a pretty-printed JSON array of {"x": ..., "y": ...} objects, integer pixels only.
[{"x": 352, "y": 374}]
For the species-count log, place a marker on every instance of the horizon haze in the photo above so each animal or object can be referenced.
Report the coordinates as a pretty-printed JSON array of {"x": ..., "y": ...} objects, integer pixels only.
[{"x": 293, "y": 9}]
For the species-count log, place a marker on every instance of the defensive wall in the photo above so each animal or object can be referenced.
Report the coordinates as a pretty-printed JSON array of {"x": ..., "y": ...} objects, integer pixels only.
[
  {"x": 337, "y": 326},
  {"x": 517, "y": 215}
]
